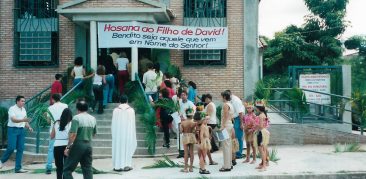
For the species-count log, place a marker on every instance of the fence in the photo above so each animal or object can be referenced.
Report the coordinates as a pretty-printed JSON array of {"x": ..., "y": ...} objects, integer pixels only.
[{"x": 298, "y": 110}]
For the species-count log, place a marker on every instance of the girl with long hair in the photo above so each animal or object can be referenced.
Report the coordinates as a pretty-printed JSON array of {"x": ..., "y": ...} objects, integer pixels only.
[{"x": 60, "y": 132}]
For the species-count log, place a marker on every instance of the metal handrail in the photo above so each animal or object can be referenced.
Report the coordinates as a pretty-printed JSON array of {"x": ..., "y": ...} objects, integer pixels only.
[
  {"x": 142, "y": 88},
  {"x": 35, "y": 97},
  {"x": 71, "y": 90},
  {"x": 329, "y": 94},
  {"x": 322, "y": 118}
]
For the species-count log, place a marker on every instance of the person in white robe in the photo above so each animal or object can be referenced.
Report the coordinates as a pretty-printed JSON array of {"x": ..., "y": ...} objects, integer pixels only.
[{"x": 124, "y": 141}]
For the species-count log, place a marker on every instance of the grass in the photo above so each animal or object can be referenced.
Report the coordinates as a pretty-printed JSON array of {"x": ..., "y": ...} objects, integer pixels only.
[
  {"x": 347, "y": 147},
  {"x": 164, "y": 163}
]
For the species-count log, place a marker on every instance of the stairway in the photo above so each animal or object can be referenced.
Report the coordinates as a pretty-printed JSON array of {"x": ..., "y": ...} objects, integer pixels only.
[{"x": 102, "y": 143}]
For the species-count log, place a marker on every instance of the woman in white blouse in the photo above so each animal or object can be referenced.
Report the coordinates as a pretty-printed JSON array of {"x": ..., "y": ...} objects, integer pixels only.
[{"x": 60, "y": 132}]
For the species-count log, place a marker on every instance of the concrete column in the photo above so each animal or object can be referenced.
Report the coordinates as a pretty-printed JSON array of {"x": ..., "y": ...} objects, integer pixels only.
[
  {"x": 93, "y": 45},
  {"x": 251, "y": 61},
  {"x": 134, "y": 62}
]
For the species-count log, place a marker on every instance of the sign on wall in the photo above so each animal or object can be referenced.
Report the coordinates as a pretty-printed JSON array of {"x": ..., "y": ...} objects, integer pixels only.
[
  {"x": 136, "y": 34},
  {"x": 316, "y": 82}
]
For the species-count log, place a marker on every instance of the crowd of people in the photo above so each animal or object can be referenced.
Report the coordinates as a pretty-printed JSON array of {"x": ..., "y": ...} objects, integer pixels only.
[
  {"x": 71, "y": 136},
  {"x": 195, "y": 122}
]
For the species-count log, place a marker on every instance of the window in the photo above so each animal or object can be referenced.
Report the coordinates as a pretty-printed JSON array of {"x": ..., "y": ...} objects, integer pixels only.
[
  {"x": 205, "y": 13},
  {"x": 205, "y": 8},
  {"x": 36, "y": 34}
]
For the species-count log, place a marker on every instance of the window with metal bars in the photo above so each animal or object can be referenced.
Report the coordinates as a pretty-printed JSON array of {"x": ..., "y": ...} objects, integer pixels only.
[
  {"x": 205, "y": 13},
  {"x": 36, "y": 33}
]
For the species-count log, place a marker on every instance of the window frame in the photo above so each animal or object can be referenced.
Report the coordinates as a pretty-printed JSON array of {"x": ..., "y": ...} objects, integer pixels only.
[
  {"x": 50, "y": 21},
  {"x": 207, "y": 20}
]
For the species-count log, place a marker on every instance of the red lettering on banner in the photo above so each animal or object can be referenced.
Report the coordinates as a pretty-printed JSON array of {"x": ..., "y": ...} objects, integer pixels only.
[
  {"x": 109, "y": 27},
  {"x": 167, "y": 30},
  {"x": 200, "y": 31}
]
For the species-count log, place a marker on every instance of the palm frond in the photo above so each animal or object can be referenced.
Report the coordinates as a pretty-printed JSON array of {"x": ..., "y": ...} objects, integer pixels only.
[
  {"x": 167, "y": 104},
  {"x": 164, "y": 163},
  {"x": 261, "y": 90},
  {"x": 298, "y": 99},
  {"x": 273, "y": 155},
  {"x": 3, "y": 116},
  {"x": 347, "y": 147}
]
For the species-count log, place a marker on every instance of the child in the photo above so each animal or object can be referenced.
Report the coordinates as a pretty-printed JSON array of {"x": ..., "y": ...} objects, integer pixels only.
[
  {"x": 204, "y": 144},
  {"x": 235, "y": 148},
  {"x": 212, "y": 162},
  {"x": 262, "y": 135},
  {"x": 249, "y": 120},
  {"x": 188, "y": 127},
  {"x": 56, "y": 87}
]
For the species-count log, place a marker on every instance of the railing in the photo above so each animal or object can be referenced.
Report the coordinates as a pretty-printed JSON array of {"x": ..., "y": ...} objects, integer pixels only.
[
  {"x": 148, "y": 119},
  {"x": 299, "y": 111},
  {"x": 142, "y": 90},
  {"x": 33, "y": 106}
]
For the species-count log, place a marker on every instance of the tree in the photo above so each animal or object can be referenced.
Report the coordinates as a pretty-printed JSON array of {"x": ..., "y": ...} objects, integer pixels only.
[
  {"x": 356, "y": 42},
  {"x": 314, "y": 43}
]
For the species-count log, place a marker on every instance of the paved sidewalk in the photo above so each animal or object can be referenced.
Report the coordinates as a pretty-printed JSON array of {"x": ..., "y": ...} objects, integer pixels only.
[{"x": 310, "y": 161}]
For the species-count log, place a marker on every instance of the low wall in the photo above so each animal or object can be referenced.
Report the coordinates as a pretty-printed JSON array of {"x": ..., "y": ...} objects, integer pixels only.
[{"x": 301, "y": 134}]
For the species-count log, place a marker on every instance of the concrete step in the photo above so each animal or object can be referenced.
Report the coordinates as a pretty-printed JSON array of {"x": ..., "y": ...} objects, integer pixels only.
[
  {"x": 102, "y": 150},
  {"x": 44, "y": 137},
  {"x": 99, "y": 142}
]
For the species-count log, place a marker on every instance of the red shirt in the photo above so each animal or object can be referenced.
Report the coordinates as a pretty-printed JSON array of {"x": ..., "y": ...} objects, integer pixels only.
[
  {"x": 171, "y": 92},
  {"x": 56, "y": 87}
]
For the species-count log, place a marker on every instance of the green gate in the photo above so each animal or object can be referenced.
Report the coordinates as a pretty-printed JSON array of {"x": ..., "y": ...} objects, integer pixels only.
[{"x": 336, "y": 84}]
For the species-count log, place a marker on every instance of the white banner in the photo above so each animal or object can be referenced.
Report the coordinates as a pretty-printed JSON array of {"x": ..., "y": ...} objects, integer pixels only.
[
  {"x": 316, "y": 82},
  {"x": 136, "y": 34}
]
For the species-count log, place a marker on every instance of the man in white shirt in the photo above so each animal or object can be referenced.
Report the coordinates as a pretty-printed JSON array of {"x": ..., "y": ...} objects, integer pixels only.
[
  {"x": 149, "y": 80},
  {"x": 238, "y": 122},
  {"x": 56, "y": 110},
  {"x": 184, "y": 104},
  {"x": 16, "y": 134}
]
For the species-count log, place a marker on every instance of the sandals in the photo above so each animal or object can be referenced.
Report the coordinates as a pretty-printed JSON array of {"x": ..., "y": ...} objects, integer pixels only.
[
  {"x": 118, "y": 170},
  {"x": 225, "y": 170},
  {"x": 213, "y": 163},
  {"x": 204, "y": 171},
  {"x": 191, "y": 170},
  {"x": 126, "y": 169}
]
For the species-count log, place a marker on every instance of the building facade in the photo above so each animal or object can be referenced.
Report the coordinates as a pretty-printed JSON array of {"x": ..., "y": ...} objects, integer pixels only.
[{"x": 42, "y": 37}]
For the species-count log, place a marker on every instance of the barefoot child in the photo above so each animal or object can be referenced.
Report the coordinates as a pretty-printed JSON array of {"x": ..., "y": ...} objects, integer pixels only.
[
  {"x": 188, "y": 127},
  {"x": 249, "y": 120},
  {"x": 204, "y": 144},
  {"x": 261, "y": 136},
  {"x": 235, "y": 148},
  {"x": 212, "y": 162}
]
